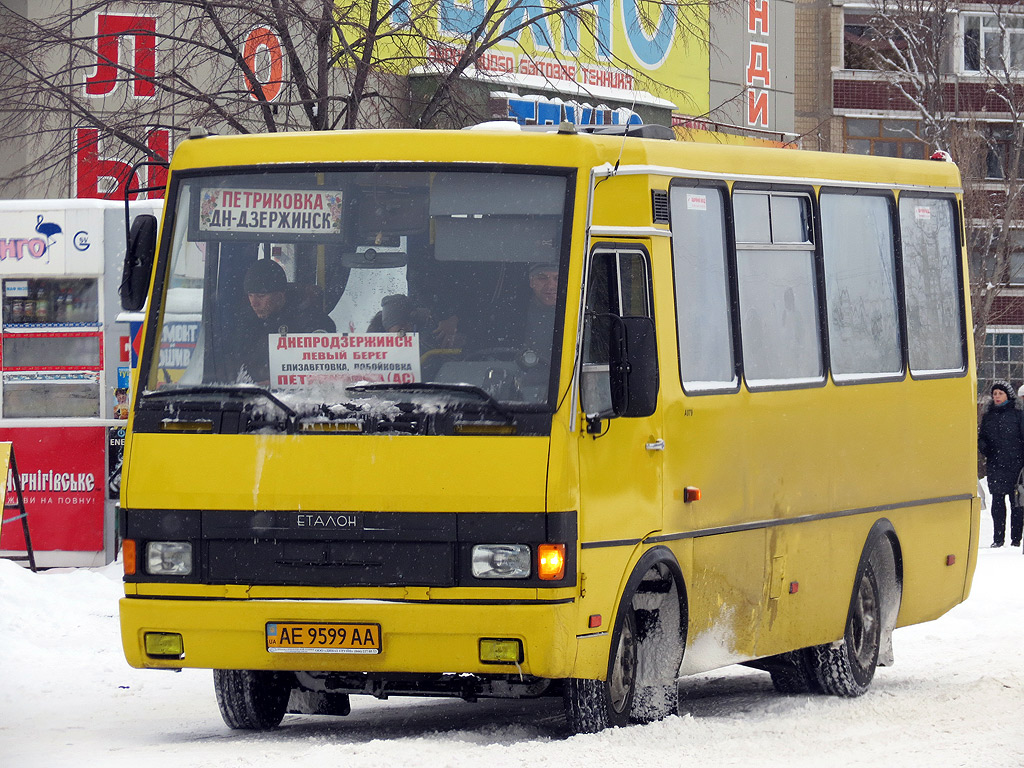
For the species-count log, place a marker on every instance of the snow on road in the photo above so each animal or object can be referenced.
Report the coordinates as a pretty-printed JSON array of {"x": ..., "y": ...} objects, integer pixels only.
[{"x": 67, "y": 698}]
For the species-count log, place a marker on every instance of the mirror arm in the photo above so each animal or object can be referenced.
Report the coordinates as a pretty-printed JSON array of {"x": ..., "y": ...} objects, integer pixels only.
[{"x": 595, "y": 421}]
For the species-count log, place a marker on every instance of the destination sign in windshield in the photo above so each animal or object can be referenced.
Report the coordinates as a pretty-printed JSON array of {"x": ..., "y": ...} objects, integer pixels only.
[{"x": 261, "y": 212}]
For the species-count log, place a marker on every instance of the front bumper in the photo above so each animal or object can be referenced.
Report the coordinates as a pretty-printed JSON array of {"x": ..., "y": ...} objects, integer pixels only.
[{"x": 428, "y": 637}]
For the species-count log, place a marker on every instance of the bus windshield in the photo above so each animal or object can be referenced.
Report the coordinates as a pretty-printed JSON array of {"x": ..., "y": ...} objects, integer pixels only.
[{"x": 317, "y": 285}]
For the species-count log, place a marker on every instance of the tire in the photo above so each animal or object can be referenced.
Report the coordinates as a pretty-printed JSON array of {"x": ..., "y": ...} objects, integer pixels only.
[
  {"x": 846, "y": 668},
  {"x": 593, "y": 705},
  {"x": 251, "y": 700},
  {"x": 792, "y": 673}
]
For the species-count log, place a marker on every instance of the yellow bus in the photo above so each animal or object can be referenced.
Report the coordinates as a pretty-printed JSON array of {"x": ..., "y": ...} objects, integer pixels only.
[{"x": 514, "y": 413}]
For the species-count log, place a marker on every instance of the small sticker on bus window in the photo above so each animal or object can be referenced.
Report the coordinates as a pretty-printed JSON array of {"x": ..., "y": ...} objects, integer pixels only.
[
  {"x": 696, "y": 202},
  {"x": 922, "y": 212}
]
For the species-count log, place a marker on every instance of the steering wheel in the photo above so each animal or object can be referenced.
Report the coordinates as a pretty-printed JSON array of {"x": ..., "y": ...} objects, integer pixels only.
[{"x": 492, "y": 353}]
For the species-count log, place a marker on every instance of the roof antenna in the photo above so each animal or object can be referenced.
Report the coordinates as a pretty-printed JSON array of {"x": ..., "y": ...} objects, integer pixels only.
[{"x": 625, "y": 133}]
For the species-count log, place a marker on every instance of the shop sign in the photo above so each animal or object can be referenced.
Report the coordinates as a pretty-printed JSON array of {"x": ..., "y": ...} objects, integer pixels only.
[
  {"x": 539, "y": 111},
  {"x": 63, "y": 484},
  {"x": 758, "y": 69},
  {"x": 50, "y": 241}
]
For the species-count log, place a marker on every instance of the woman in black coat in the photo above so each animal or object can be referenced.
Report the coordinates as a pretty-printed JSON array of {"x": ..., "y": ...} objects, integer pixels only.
[{"x": 1001, "y": 442}]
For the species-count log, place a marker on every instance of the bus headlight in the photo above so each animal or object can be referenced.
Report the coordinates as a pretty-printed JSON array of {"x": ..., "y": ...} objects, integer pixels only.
[
  {"x": 501, "y": 561},
  {"x": 168, "y": 558}
]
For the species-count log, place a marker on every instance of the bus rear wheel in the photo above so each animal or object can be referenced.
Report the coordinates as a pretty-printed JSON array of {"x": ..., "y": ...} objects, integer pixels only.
[
  {"x": 593, "y": 705},
  {"x": 846, "y": 668},
  {"x": 251, "y": 700}
]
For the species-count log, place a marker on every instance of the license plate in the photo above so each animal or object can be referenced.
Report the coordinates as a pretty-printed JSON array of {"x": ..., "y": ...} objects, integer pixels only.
[{"x": 307, "y": 637}]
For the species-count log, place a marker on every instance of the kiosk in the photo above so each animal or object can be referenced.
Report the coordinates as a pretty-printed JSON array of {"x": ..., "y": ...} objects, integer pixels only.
[{"x": 64, "y": 365}]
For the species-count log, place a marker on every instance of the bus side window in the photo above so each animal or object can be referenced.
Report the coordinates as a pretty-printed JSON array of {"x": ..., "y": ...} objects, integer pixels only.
[
  {"x": 704, "y": 299},
  {"x": 931, "y": 277},
  {"x": 619, "y": 287},
  {"x": 777, "y": 288}
]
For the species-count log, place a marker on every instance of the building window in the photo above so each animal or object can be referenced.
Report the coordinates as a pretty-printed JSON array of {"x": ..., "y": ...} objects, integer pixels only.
[
  {"x": 1017, "y": 257},
  {"x": 1001, "y": 360},
  {"x": 1004, "y": 148},
  {"x": 867, "y": 47},
  {"x": 887, "y": 138},
  {"x": 993, "y": 43}
]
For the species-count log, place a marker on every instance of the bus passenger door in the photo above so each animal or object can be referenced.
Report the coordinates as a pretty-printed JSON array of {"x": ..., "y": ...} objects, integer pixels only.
[{"x": 620, "y": 456}]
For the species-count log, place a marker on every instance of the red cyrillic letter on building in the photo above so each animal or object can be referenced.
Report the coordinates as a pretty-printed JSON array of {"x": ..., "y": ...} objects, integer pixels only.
[
  {"x": 263, "y": 44},
  {"x": 91, "y": 169},
  {"x": 110, "y": 29},
  {"x": 757, "y": 16},
  {"x": 106, "y": 177},
  {"x": 757, "y": 108},
  {"x": 757, "y": 65}
]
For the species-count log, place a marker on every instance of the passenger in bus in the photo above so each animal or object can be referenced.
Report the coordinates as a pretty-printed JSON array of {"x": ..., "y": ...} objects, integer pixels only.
[
  {"x": 539, "y": 324},
  {"x": 277, "y": 307},
  {"x": 399, "y": 315},
  {"x": 1001, "y": 442},
  {"x": 540, "y": 312}
]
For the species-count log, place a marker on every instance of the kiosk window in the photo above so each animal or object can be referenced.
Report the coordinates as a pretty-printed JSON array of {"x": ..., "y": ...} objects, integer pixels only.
[
  {"x": 46, "y": 301},
  {"x": 45, "y": 396}
]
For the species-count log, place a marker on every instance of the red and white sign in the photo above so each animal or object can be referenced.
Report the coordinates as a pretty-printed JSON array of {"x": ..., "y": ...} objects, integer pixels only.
[
  {"x": 304, "y": 359},
  {"x": 758, "y": 69},
  {"x": 63, "y": 476},
  {"x": 270, "y": 211},
  {"x": 695, "y": 202}
]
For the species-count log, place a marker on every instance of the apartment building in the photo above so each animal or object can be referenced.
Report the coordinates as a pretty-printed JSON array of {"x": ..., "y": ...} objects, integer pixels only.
[{"x": 905, "y": 78}]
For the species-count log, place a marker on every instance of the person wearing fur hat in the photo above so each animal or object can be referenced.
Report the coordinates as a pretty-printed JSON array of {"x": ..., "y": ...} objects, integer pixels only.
[
  {"x": 1001, "y": 442},
  {"x": 276, "y": 308}
]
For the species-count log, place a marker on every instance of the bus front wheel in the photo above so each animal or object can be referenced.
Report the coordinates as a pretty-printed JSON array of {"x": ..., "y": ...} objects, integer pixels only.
[
  {"x": 846, "y": 668},
  {"x": 251, "y": 700},
  {"x": 593, "y": 705}
]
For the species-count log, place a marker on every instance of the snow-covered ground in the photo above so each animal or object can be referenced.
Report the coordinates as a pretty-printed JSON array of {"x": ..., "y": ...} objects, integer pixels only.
[{"x": 67, "y": 698}]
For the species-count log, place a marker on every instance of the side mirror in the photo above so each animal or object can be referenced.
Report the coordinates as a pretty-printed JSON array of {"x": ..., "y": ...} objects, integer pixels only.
[
  {"x": 138, "y": 263},
  {"x": 634, "y": 367}
]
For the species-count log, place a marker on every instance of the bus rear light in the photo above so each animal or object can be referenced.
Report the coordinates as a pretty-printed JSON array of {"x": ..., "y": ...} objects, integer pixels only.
[
  {"x": 691, "y": 493},
  {"x": 128, "y": 556},
  {"x": 551, "y": 561},
  {"x": 595, "y": 621}
]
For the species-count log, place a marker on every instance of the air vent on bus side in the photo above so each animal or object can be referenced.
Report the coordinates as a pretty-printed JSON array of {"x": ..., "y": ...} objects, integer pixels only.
[{"x": 659, "y": 207}]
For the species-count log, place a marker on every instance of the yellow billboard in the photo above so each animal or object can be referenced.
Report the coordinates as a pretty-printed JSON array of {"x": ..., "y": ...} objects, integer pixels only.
[{"x": 605, "y": 49}]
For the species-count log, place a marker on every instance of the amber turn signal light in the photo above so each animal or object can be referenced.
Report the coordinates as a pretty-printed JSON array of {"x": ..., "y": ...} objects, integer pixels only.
[
  {"x": 551, "y": 561},
  {"x": 128, "y": 556}
]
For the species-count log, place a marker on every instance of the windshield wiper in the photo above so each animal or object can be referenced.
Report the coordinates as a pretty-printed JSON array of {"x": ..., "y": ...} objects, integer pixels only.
[
  {"x": 431, "y": 386},
  {"x": 237, "y": 390}
]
